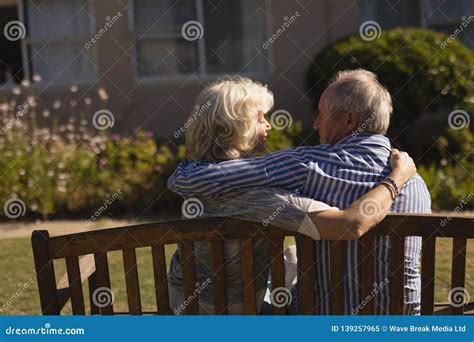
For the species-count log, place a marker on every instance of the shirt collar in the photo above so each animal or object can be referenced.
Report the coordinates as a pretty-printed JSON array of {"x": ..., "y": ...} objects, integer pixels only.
[{"x": 366, "y": 139}]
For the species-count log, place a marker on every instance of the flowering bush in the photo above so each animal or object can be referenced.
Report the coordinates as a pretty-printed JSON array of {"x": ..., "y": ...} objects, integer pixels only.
[{"x": 73, "y": 168}]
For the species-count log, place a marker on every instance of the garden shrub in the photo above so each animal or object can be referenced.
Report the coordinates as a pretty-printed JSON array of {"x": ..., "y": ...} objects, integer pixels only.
[
  {"x": 451, "y": 181},
  {"x": 285, "y": 138},
  {"x": 73, "y": 168},
  {"x": 420, "y": 75}
]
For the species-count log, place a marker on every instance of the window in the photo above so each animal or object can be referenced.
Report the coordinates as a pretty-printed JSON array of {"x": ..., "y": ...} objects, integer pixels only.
[
  {"x": 439, "y": 15},
  {"x": 392, "y": 13},
  {"x": 442, "y": 11},
  {"x": 233, "y": 32},
  {"x": 448, "y": 17},
  {"x": 53, "y": 48},
  {"x": 11, "y": 70}
]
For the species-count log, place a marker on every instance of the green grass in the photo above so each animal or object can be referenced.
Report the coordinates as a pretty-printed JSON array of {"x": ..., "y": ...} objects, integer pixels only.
[
  {"x": 19, "y": 296},
  {"x": 19, "y": 293}
]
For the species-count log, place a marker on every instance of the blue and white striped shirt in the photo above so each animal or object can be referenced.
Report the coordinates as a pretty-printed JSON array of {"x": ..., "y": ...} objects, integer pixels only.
[{"x": 337, "y": 175}]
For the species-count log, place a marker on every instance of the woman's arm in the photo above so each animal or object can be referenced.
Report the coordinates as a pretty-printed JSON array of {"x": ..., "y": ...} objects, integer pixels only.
[{"x": 365, "y": 213}]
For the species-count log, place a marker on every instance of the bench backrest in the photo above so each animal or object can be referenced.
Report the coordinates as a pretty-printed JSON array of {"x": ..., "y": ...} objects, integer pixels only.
[{"x": 94, "y": 266}]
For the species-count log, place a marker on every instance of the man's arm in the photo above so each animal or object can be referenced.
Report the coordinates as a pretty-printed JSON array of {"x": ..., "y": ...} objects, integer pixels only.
[{"x": 285, "y": 169}]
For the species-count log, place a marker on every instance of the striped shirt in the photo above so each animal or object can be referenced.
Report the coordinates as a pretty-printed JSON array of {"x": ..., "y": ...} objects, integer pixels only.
[
  {"x": 268, "y": 206},
  {"x": 337, "y": 175}
]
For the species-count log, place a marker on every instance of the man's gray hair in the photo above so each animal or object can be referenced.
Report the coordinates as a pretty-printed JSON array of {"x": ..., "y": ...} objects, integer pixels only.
[{"x": 360, "y": 92}]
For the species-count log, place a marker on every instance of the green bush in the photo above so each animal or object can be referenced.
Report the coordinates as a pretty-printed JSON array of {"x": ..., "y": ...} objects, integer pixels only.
[
  {"x": 73, "y": 168},
  {"x": 418, "y": 72},
  {"x": 285, "y": 138},
  {"x": 451, "y": 181}
]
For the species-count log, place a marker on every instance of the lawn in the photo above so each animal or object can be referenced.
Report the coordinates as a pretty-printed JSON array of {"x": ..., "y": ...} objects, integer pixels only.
[{"x": 19, "y": 294}]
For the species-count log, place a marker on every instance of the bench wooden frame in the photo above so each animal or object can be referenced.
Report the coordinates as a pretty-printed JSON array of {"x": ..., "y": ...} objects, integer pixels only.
[{"x": 94, "y": 246}]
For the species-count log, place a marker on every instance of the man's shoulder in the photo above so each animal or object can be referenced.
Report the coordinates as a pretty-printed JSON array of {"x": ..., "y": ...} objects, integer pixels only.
[
  {"x": 414, "y": 196},
  {"x": 417, "y": 181}
]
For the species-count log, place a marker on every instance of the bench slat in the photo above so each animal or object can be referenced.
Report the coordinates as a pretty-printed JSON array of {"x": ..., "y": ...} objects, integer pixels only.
[
  {"x": 131, "y": 281},
  {"x": 248, "y": 273},
  {"x": 199, "y": 229},
  {"x": 278, "y": 276},
  {"x": 86, "y": 269},
  {"x": 397, "y": 273},
  {"x": 188, "y": 266},
  {"x": 366, "y": 274},
  {"x": 337, "y": 277},
  {"x": 458, "y": 275},
  {"x": 306, "y": 257},
  {"x": 45, "y": 276},
  {"x": 218, "y": 277},
  {"x": 428, "y": 253},
  {"x": 92, "y": 283},
  {"x": 161, "y": 281},
  {"x": 103, "y": 293},
  {"x": 75, "y": 285}
]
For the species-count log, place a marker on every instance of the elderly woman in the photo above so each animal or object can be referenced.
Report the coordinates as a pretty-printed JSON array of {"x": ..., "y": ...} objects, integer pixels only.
[{"x": 229, "y": 123}]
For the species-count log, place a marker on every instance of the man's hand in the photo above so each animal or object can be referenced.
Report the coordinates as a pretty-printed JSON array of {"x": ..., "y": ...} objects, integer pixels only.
[{"x": 403, "y": 167}]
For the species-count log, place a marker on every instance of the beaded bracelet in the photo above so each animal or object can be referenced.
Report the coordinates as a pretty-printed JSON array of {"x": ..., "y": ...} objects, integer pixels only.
[
  {"x": 391, "y": 181},
  {"x": 391, "y": 186}
]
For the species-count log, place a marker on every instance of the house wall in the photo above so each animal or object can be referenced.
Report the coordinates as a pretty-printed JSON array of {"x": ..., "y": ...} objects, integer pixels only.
[{"x": 161, "y": 106}]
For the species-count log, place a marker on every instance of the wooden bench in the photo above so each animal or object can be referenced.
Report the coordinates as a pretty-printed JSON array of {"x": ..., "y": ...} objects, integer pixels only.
[{"x": 94, "y": 267}]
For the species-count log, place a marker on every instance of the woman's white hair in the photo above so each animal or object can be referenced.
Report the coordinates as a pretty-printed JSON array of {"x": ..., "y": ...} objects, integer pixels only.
[
  {"x": 360, "y": 92},
  {"x": 224, "y": 122}
]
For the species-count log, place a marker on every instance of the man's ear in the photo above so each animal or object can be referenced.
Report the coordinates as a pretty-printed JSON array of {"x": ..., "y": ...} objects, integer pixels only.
[{"x": 352, "y": 120}]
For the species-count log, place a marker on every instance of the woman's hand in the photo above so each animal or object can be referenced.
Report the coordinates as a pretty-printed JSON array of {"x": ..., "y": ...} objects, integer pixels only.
[{"x": 403, "y": 167}]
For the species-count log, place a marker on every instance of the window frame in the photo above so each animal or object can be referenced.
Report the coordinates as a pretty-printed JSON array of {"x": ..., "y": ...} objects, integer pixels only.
[
  {"x": 202, "y": 73},
  {"x": 27, "y": 43},
  {"x": 435, "y": 21}
]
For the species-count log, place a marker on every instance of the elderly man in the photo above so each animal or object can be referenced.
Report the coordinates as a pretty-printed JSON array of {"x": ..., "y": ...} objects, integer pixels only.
[{"x": 354, "y": 115}]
